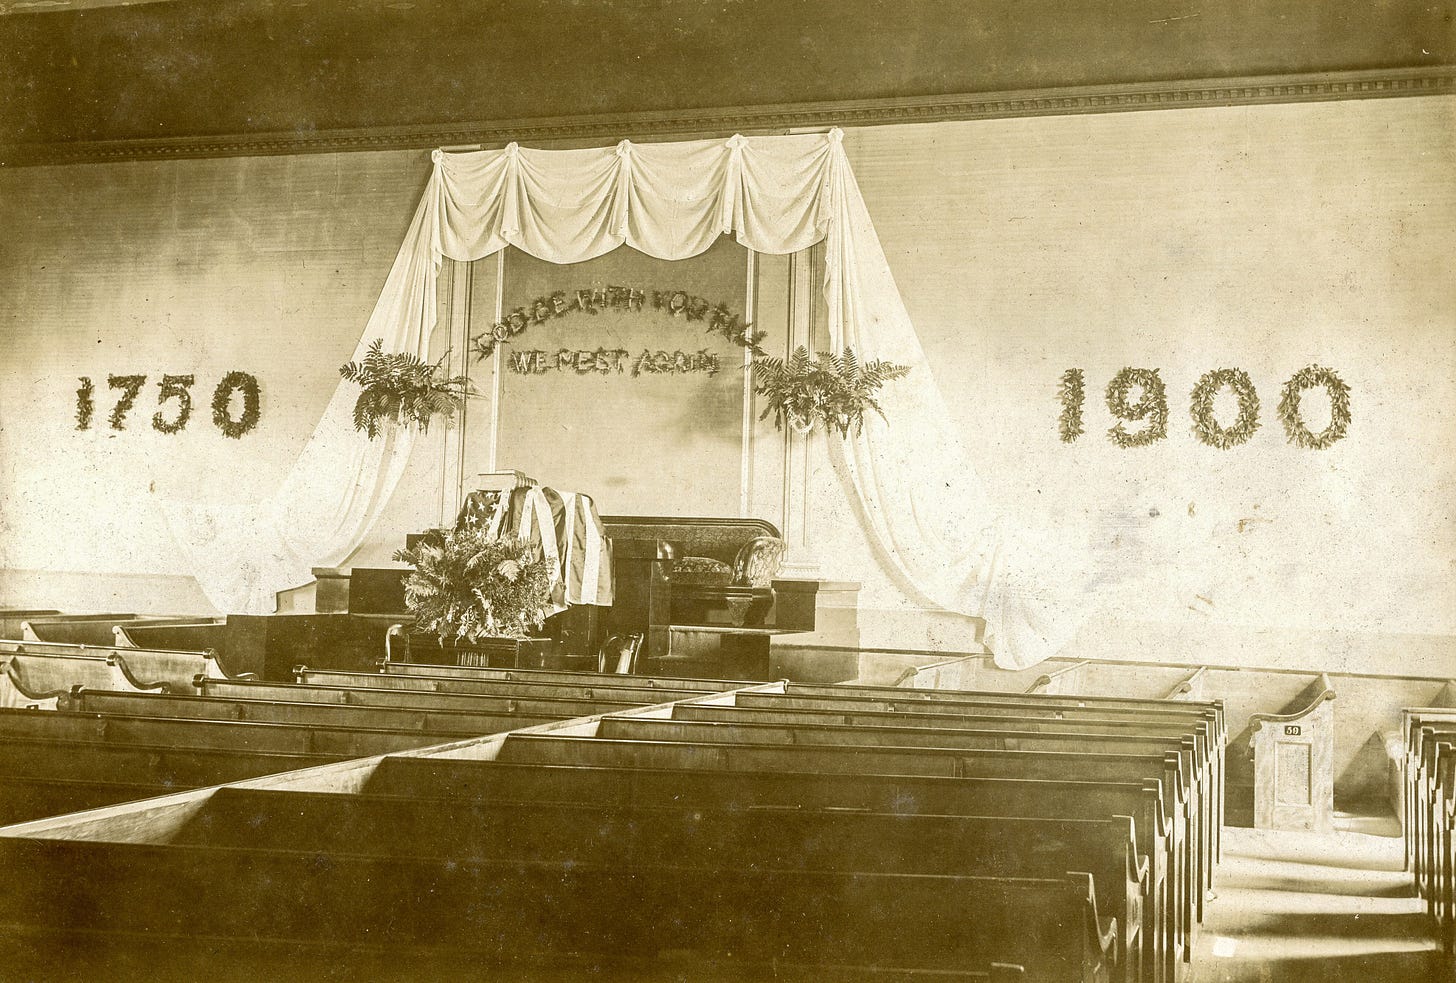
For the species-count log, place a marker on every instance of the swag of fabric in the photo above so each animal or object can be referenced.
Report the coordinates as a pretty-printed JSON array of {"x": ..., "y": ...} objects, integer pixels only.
[{"x": 914, "y": 487}]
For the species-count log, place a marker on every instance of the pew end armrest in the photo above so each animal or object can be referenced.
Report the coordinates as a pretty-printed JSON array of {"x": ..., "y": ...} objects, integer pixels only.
[{"x": 1103, "y": 931}]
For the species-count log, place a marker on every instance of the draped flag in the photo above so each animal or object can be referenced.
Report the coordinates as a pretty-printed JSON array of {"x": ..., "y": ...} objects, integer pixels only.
[{"x": 564, "y": 525}]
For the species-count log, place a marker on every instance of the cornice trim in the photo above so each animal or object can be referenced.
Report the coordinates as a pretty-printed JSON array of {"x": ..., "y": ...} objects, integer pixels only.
[{"x": 1111, "y": 98}]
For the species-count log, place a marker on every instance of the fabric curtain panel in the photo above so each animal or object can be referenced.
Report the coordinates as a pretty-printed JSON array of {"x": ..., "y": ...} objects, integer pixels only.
[{"x": 915, "y": 489}]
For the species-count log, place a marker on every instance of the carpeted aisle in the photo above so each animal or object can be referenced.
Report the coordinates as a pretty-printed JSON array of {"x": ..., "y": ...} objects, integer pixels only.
[{"x": 1295, "y": 907}]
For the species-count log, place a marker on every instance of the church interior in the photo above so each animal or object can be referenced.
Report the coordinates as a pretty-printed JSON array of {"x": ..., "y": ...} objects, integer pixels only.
[{"x": 693, "y": 490}]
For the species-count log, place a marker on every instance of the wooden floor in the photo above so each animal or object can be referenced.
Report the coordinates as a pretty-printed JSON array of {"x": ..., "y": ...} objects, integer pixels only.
[{"x": 1332, "y": 908}]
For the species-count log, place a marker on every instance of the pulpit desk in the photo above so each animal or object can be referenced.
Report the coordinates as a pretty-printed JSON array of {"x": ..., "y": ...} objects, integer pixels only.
[{"x": 718, "y": 631}]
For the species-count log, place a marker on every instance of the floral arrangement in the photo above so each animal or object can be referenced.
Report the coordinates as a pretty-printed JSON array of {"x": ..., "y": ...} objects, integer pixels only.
[
  {"x": 402, "y": 388},
  {"x": 470, "y": 585},
  {"x": 833, "y": 389}
]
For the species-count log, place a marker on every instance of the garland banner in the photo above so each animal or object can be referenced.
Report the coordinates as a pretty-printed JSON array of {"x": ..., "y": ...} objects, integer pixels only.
[
  {"x": 1152, "y": 406},
  {"x": 1069, "y": 424},
  {"x": 222, "y": 399},
  {"x": 605, "y": 361},
  {"x": 1200, "y": 407},
  {"x": 1308, "y": 378},
  {"x": 172, "y": 387},
  {"x": 593, "y": 300}
]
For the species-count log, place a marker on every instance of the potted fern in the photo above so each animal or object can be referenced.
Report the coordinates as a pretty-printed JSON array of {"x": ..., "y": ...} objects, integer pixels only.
[
  {"x": 835, "y": 390},
  {"x": 402, "y": 388},
  {"x": 477, "y": 598}
]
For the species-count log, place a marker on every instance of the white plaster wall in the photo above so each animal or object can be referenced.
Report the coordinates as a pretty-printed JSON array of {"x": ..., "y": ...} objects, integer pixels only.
[{"x": 1264, "y": 238}]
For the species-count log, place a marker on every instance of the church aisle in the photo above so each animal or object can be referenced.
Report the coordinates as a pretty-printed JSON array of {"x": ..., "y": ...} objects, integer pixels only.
[{"x": 1295, "y": 907}]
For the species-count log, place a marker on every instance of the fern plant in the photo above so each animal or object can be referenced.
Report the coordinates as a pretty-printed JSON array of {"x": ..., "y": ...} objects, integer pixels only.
[
  {"x": 835, "y": 389},
  {"x": 469, "y": 585},
  {"x": 403, "y": 388}
]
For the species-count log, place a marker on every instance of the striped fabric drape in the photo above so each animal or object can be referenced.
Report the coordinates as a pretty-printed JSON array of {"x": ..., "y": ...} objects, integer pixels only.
[{"x": 562, "y": 524}]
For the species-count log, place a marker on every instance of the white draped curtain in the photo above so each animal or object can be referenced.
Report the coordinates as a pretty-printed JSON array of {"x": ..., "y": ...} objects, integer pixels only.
[{"x": 915, "y": 488}]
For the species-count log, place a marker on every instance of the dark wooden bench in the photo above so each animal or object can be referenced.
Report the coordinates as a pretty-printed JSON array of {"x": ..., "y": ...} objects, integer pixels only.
[
  {"x": 1431, "y": 788},
  {"x": 160, "y": 764},
  {"x": 764, "y": 801},
  {"x": 99, "y": 630},
  {"x": 862, "y": 760},
  {"x": 38, "y": 681},
  {"x": 468, "y": 831},
  {"x": 179, "y": 958},
  {"x": 500, "y": 912},
  {"x": 192, "y": 636},
  {"x": 887, "y": 700},
  {"x": 1414, "y": 720},
  {"x": 989, "y": 738},
  {"x": 666, "y": 683},
  {"x": 622, "y": 687},
  {"x": 82, "y": 626},
  {"x": 559, "y": 707},
  {"x": 784, "y": 792},
  {"x": 313, "y": 714},
  {"x": 762, "y": 709},
  {"x": 1431, "y": 794},
  {"x": 189, "y": 734},
  {"x": 51, "y": 665}
]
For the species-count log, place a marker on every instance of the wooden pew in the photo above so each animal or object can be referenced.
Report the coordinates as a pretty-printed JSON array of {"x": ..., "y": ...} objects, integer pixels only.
[
  {"x": 704, "y": 786},
  {"x": 1294, "y": 754},
  {"x": 869, "y": 760},
  {"x": 1194, "y": 688},
  {"x": 498, "y": 913},
  {"x": 83, "y": 626},
  {"x": 23, "y": 798},
  {"x": 320, "y": 714},
  {"x": 179, "y": 958},
  {"x": 622, "y": 687},
  {"x": 192, "y": 734},
  {"x": 1433, "y": 743},
  {"x": 1074, "y": 740},
  {"x": 76, "y": 758},
  {"x": 101, "y": 631},
  {"x": 1433, "y": 795},
  {"x": 763, "y": 709},
  {"x": 898, "y": 700},
  {"x": 1413, "y": 721},
  {"x": 469, "y": 831},
  {"x": 146, "y": 669},
  {"x": 558, "y": 707},
  {"x": 38, "y": 680},
  {"x": 11, "y": 619},
  {"x": 889, "y": 699},
  {"x": 666, "y": 683},
  {"x": 190, "y": 636},
  {"x": 1202, "y": 722},
  {"x": 164, "y": 765},
  {"x": 1066, "y": 680}
]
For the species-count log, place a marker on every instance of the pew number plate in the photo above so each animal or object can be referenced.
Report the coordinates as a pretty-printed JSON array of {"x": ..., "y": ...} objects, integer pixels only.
[{"x": 1291, "y": 730}]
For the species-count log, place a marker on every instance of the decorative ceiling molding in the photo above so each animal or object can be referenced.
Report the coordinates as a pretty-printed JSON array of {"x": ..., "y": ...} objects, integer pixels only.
[{"x": 1112, "y": 98}]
